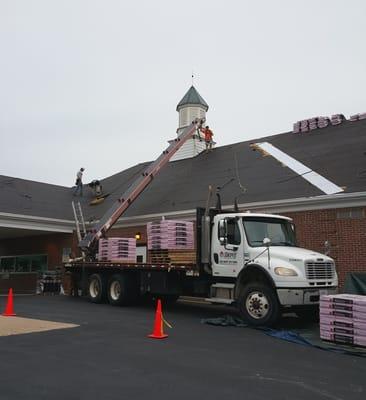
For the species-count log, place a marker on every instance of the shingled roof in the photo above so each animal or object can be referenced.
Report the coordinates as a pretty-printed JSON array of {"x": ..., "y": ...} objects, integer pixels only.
[
  {"x": 192, "y": 97},
  {"x": 335, "y": 152}
]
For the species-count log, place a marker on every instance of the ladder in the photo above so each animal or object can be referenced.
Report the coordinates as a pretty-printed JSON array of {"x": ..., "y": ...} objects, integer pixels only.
[{"x": 79, "y": 220}]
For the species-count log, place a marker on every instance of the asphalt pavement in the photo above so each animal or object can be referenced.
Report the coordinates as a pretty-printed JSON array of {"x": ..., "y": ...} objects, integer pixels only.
[{"x": 109, "y": 356}]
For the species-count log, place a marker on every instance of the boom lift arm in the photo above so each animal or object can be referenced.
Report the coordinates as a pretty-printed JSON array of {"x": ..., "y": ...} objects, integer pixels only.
[{"x": 89, "y": 242}]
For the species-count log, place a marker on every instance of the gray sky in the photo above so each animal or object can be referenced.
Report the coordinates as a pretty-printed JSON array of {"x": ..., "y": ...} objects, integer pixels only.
[{"x": 95, "y": 83}]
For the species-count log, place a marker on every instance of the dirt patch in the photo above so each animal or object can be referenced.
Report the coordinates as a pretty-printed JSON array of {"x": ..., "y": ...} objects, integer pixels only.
[{"x": 18, "y": 326}]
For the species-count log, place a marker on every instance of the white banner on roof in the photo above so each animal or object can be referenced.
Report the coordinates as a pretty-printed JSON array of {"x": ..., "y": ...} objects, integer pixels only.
[{"x": 302, "y": 170}]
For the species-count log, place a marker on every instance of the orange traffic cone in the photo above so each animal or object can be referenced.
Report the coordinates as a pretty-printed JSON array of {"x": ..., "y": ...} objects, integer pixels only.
[
  {"x": 158, "y": 332},
  {"x": 9, "y": 310}
]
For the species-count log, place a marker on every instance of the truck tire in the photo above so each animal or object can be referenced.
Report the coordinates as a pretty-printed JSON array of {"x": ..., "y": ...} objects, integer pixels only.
[
  {"x": 123, "y": 289},
  {"x": 97, "y": 288},
  {"x": 258, "y": 305}
]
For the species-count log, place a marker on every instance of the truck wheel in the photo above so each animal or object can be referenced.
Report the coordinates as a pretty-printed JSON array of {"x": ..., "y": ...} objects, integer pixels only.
[
  {"x": 122, "y": 289},
  {"x": 96, "y": 288},
  {"x": 258, "y": 305}
]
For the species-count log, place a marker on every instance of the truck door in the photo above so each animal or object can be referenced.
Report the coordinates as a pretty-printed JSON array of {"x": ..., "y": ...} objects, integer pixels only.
[{"x": 227, "y": 247}]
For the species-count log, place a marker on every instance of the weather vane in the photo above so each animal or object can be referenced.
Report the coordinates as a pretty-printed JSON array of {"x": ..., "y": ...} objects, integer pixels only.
[{"x": 192, "y": 78}]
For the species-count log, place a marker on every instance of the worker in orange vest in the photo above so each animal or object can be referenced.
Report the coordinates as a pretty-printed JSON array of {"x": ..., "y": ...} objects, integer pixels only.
[{"x": 208, "y": 137}]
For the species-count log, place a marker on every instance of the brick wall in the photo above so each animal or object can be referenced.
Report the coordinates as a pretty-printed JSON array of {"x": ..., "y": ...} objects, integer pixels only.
[
  {"x": 51, "y": 245},
  {"x": 346, "y": 235},
  {"x": 129, "y": 232}
]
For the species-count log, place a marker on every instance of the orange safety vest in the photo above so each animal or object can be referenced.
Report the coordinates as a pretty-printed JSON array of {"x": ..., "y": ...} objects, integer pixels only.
[{"x": 208, "y": 134}]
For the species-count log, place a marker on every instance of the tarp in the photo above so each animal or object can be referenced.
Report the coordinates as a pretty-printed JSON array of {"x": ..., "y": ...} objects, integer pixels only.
[
  {"x": 355, "y": 283},
  {"x": 304, "y": 336}
]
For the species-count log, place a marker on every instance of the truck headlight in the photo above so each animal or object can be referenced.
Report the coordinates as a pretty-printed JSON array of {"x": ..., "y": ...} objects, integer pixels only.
[{"x": 282, "y": 271}]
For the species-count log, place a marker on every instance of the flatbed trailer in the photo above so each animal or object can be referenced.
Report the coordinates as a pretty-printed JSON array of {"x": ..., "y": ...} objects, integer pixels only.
[{"x": 110, "y": 265}]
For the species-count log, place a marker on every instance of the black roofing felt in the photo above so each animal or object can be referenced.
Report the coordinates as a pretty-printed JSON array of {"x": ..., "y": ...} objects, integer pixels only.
[
  {"x": 192, "y": 97},
  {"x": 336, "y": 152}
]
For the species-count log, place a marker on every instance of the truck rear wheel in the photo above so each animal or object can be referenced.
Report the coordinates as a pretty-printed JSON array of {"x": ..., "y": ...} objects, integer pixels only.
[
  {"x": 123, "y": 289},
  {"x": 97, "y": 288},
  {"x": 258, "y": 305}
]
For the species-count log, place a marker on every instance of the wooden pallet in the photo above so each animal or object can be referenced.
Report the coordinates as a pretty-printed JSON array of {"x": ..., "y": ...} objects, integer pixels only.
[{"x": 172, "y": 256}]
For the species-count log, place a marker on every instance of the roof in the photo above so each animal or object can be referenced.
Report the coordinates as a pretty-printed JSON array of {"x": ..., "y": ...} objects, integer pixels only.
[
  {"x": 192, "y": 97},
  {"x": 335, "y": 152}
]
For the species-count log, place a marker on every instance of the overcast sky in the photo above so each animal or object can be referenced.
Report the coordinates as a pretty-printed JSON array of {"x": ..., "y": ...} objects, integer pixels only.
[{"x": 95, "y": 83}]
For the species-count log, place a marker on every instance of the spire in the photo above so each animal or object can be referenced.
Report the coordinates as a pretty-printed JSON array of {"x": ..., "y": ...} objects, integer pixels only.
[{"x": 192, "y": 97}]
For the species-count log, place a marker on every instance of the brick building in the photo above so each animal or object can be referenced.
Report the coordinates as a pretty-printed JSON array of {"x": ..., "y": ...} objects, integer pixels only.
[{"x": 37, "y": 224}]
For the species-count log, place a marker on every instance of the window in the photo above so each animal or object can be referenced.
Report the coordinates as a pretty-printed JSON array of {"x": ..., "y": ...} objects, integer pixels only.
[
  {"x": 232, "y": 231},
  {"x": 281, "y": 232},
  {"x": 354, "y": 213},
  {"x": 26, "y": 263},
  {"x": 66, "y": 251}
]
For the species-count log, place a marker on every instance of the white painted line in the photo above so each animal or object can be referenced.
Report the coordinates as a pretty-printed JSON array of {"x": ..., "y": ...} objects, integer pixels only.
[{"x": 314, "y": 178}]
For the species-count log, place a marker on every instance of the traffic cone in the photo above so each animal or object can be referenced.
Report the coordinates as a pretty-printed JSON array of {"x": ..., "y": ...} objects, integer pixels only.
[
  {"x": 158, "y": 332},
  {"x": 9, "y": 310}
]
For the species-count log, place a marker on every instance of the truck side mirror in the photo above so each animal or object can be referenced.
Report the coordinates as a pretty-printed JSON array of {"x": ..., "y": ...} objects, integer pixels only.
[{"x": 267, "y": 242}]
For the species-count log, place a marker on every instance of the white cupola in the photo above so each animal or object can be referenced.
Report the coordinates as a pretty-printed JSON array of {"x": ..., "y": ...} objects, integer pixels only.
[{"x": 190, "y": 107}]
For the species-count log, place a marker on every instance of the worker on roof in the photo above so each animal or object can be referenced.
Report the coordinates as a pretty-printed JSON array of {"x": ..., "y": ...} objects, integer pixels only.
[
  {"x": 208, "y": 137},
  {"x": 79, "y": 182}
]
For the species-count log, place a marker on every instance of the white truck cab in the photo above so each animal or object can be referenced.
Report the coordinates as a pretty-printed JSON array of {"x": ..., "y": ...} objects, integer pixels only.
[{"x": 256, "y": 259}]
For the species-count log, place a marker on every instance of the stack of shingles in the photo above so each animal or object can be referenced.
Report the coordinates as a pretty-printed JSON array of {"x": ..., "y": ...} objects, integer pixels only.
[
  {"x": 323, "y": 122},
  {"x": 357, "y": 117},
  {"x": 313, "y": 123},
  {"x": 171, "y": 241},
  {"x": 304, "y": 125},
  {"x": 343, "y": 318},
  {"x": 296, "y": 127},
  {"x": 117, "y": 249},
  {"x": 170, "y": 235},
  {"x": 337, "y": 119}
]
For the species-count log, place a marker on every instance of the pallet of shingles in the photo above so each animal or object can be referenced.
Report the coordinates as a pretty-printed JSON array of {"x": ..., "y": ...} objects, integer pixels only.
[
  {"x": 117, "y": 249},
  {"x": 170, "y": 234},
  {"x": 343, "y": 319}
]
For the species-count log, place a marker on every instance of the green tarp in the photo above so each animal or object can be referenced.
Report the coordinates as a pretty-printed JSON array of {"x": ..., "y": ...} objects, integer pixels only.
[{"x": 355, "y": 283}]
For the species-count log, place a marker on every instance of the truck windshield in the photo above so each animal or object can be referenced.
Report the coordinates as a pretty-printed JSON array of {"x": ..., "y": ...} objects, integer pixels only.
[{"x": 280, "y": 231}]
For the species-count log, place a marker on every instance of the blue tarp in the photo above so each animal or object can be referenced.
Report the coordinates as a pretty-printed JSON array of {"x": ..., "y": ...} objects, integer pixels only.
[{"x": 305, "y": 336}]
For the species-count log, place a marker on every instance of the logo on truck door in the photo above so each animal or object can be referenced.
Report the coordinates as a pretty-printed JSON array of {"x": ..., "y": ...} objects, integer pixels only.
[{"x": 228, "y": 258}]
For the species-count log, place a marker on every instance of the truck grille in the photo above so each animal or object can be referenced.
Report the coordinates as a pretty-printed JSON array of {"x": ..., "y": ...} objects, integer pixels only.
[{"x": 319, "y": 270}]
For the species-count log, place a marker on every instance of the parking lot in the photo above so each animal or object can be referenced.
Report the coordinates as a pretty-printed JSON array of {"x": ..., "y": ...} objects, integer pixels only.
[{"x": 108, "y": 356}]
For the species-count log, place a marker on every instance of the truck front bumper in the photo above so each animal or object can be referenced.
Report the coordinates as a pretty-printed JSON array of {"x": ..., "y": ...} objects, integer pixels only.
[{"x": 305, "y": 296}]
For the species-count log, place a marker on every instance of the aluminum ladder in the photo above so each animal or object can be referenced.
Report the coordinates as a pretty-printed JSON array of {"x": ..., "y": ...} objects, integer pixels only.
[{"x": 79, "y": 220}]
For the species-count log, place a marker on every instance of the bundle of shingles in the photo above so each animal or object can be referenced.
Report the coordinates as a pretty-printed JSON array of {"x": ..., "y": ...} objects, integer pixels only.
[
  {"x": 343, "y": 319},
  {"x": 357, "y": 117},
  {"x": 311, "y": 124},
  {"x": 117, "y": 249},
  {"x": 337, "y": 119},
  {"x": 170, "y": 241},
  {"x": 323, "y": 122}
]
